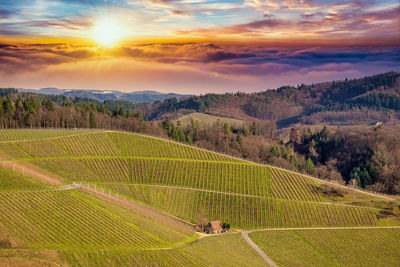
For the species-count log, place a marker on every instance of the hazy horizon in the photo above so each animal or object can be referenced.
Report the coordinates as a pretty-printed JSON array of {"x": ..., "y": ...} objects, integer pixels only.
[{"x": 183, "y": 92}]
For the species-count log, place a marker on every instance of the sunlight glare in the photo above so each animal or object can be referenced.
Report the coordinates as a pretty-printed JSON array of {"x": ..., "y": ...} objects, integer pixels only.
[{"x": 107, "y": 32}]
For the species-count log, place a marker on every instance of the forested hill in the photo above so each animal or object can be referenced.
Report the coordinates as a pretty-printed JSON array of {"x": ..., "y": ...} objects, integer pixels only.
[
  {"x": 368, "y": 99},
  {"x": 323, "y": 102}
]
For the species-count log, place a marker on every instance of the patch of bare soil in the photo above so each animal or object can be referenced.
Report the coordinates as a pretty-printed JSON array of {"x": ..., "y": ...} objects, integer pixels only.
[
  {"x": 7, "y": 240},
  {"x": 26, "y": 169}
]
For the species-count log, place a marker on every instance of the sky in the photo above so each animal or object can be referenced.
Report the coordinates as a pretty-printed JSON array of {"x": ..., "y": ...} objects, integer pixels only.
[{"x": 194, "y": 46}]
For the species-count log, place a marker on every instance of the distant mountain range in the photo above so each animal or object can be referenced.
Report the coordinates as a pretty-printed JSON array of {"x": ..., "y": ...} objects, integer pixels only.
[
  {"x": 101, "y": 95},
  {"x": 366, "y": 100}
]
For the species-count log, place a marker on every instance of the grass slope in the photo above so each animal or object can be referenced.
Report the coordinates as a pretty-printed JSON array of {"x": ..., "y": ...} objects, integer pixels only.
[{"x": 207, "y": 119}]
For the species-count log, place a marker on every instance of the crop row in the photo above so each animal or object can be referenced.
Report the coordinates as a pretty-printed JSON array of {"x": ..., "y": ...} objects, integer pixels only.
[
  {"x": 129, "y": 258},
  {"x": 223, "y": 250},
  {"x": 112, "y": 144},
  {"x": 245, "y": 211},
  {"x": 63, "y": 219},
  {"x": 10, "y": 181},
  {"x": 245, "y": 179},
  {"x": 12, "y": 151},
  {"x": 27, "y": 134},
  {"x": 42, "y": 148},
  {"x": 366, "y": 247},
  {"x": 236, "y": 178},
  {"x": 137, "y": 145},
  {"x": 89, "y": 145},
  {"x": 287, "y": 185}
]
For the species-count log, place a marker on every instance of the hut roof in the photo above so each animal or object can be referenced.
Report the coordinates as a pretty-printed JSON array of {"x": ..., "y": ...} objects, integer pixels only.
[{"x": 216, "y": 225}]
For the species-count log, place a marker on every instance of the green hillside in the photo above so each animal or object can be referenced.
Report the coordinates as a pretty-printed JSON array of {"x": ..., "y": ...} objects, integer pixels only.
[
  {"x": 184, "y": 180},
  {"x": 126, "y": 198},
  {"x": 365, "y": 247}
]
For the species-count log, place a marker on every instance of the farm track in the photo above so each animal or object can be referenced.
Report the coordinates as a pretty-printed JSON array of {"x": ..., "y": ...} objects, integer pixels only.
[
  {"x": 245, "y": 235},
  {"x": 27, "y": 170}
]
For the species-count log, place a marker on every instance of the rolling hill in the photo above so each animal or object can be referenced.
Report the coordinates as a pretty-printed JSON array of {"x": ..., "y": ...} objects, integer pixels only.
[
  {"x": 102, "y": 95},
  {"x": 336, "y": 102},
  {"x": 123, "y": 199}
]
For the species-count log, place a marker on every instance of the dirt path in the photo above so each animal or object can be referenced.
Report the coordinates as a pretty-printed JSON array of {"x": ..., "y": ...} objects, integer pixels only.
[
  {"x": 30, "y": 171},
  {"x": 267, "y": 259}
]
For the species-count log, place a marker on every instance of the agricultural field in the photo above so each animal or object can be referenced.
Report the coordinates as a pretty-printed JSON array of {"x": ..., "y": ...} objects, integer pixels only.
[
  {"x": 124, "y": 199},
  {"x": 224, "y": 250},
  {"x": 66, "y": 226},
  {"x": 18, "y": 134},
  {"x": 188, "y": 182},
  {"x": 54, "y": 218},
  {"x": 350, "y": 247},
  {"x": 12, "y": 181}
]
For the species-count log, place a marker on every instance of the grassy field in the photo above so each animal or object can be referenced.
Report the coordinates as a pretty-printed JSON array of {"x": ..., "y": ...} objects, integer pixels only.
[
  {"x": 206, "y": 119},
  {"x": 370, "y": 247},
  {"x": 154, "y": 180}
]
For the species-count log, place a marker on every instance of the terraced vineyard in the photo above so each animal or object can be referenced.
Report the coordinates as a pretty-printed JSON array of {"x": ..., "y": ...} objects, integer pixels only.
[
  {"x": 12, "y": 181},
  {"x": 18, "y": 134},
  {"x": 130, "y": 199},
  {"x": 366, "y": 247},
  {"x": 186, "y": 181},
  {"x": 44, "y": 217},
  {"x": 226, "y": 250}
]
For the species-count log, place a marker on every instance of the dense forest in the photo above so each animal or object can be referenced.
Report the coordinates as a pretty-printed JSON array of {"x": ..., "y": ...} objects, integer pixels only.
[
  {"x": 313, "y": 103},
  {"x": 369, "y": 155}
]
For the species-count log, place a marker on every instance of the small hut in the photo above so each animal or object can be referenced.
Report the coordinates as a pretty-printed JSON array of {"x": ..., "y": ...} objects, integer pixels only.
[{"x": 213, "y": 227}]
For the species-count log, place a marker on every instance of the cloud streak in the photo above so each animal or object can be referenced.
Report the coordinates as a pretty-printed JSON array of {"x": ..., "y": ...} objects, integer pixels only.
[{"x": 186, "y": 67}]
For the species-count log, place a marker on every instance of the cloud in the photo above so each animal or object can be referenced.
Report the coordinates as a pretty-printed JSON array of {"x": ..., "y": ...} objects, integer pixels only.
[
  {"x": 353, "y": 22},
  {"x": 177, "y": 12},
  {"x": 194, "y": 67},
  {"x": 5, "y": 14}
]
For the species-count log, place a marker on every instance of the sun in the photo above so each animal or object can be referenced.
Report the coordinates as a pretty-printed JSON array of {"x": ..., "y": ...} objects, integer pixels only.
[{"x": 107, "y": 31}]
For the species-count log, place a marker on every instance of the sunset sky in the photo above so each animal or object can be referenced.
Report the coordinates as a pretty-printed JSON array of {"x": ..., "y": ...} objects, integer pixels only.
[{"x": 194, "y": 46}]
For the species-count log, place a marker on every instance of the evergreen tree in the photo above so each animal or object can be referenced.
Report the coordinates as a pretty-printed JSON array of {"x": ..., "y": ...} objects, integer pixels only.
[
  {"x": 309, "y": 165},
  {"x": 92, "y": 121}
]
